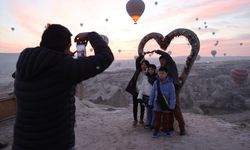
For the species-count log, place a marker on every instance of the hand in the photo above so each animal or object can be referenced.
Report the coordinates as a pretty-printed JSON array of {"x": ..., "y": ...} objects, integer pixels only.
[
  {"x": 158, "y": 52},
  {"x": 81, "y": 37}
]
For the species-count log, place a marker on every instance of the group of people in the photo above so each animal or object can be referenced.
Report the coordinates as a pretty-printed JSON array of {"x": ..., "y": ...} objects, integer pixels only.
[{"x": 145, "y": 86}]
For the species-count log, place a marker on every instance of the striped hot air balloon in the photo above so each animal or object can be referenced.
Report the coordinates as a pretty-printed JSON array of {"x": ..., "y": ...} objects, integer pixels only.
[
  {"x": 239, "y": 75},
  {"x": 135, "y": 9}
]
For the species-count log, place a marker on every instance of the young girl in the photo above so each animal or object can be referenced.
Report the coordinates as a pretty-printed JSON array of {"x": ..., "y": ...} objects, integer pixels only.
[
  {"x": 135, "y": 84},
  {"x": 145, "y": 92},
  {"x": 167, "y": 89}
]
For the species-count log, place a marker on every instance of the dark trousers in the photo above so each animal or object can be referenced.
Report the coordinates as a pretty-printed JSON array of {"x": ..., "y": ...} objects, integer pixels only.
[
  {"x": 135, "y": 108},
  {"x": 177, "y": 114},
  {"x": 162, "y": 119}
]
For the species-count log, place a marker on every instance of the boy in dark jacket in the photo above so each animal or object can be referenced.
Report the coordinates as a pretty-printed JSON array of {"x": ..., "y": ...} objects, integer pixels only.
[{"x": 44, "y": 81}]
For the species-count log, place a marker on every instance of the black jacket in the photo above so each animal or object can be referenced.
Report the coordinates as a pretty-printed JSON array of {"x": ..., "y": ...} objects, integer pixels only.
[
  {"x": 43, "y": 85},
  {"x": 131, "y": 88}
]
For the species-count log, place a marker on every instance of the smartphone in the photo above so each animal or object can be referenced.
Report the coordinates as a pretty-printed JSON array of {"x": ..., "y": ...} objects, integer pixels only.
[{"x": 81, "y": 49}]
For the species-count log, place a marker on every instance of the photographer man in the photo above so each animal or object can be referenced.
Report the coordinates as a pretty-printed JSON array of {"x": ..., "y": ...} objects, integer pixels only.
[{"x": 44, "y": 82}]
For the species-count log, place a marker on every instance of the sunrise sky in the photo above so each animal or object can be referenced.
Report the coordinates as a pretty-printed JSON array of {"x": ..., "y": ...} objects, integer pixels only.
[{"x": 228, "y": 19}]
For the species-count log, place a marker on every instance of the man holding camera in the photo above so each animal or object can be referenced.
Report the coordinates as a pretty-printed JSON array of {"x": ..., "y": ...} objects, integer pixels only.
[{"x": 44, "y": 82}]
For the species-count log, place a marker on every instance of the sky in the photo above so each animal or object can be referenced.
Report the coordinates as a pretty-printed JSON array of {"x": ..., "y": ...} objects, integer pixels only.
[{"x": 228, "y": 19}]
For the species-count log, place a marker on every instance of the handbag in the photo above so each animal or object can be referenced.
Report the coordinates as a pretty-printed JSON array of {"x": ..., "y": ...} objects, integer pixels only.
[{"x": 161, "y": 99}]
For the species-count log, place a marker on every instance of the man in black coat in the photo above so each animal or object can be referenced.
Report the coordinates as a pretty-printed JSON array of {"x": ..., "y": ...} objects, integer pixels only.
[
  {"x": 167, "y": 61},
  {"x": 45, "y": 77}
]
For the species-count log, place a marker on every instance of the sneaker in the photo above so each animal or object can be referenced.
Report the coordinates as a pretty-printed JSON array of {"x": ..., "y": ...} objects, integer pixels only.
[
  {"x": 141, "y": 122},
  {"x": 147, "y": 126},
  {"x": 156, "y": 134},
  {"x": 134, "y": 123},
  {"x": 182, "y": 131},
  {"x": 168, "y": 133}
]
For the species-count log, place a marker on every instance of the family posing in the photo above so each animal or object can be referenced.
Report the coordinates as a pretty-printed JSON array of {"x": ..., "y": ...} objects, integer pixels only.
[{"x": 146, "y": 85}]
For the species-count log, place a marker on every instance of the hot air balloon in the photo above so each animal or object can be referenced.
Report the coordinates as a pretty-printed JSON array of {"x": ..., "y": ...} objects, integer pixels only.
[
  {"x": 105, "y": 38},
  {"x": 12, "y": 28},
  {"x": 205, "y": 22},
  {"x": 239, "y": 75},
  {"x": 199, "y": 28},
  {"x": 135, "y": 9},
  {"x": 213, "y": 33},
  {"x": 205, "y": 26},
  {"x": 216, "y": 43},
  {"x": 156, "y": 2},
  {"x": 81, "y": 24},
  {"x": 196, "y": 19},
  {"x": 119, "y": 50},
  {"x": 225, "y": 54},
  {"x": 241, "y": 44},
  {"x": 213, "y": 53}
]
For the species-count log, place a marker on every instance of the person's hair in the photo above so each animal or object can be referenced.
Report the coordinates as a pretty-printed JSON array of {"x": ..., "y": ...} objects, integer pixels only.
[
  {"x": 145, "y": 61},
  {"x": 165, "y": 69},
  {"x": 152, "y": 66},
  {"x": 56, "y": 37},
  {"x": 162, "y": 57}
]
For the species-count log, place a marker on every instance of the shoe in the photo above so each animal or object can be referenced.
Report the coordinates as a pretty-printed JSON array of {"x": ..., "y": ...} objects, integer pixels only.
[
  {"x": 147, "y": 126},
  {"x": 141, "y": 122},
  {"x": 134, "y": 123},
  {"x": 155, "y": 134},
  {"x": 168, "y": 133},
  {"x": 182, "y": 131}
]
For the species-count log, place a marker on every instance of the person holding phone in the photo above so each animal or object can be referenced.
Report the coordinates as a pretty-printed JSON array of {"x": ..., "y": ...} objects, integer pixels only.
[{"x": 45, "y": 77}]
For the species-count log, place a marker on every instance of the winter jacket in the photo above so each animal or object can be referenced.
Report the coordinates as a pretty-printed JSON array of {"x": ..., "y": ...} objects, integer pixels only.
[
  {"x": 131, "y": 88},
  {"x": 167, "y": 89},
  {"x": 44, "y": 88},
  {"x": 146, "y": 87}
]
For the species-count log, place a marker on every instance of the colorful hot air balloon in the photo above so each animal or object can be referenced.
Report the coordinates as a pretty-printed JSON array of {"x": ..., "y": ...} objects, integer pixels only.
[
  {"x": 135, "y": 9},
  {"x": 213, "y": 53},
  {"x": 239, "y": 75}
]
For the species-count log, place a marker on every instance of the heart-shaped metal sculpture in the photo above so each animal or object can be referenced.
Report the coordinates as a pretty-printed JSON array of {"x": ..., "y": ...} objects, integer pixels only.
[{"x": 165, "y": 41}]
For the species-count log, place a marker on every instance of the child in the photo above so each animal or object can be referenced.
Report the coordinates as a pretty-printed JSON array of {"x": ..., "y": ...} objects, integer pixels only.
[
  {"x": 135, "y": 84},
  {"x": 168, "y": 90},
  {"x": 145, "y": 92}
]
